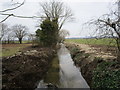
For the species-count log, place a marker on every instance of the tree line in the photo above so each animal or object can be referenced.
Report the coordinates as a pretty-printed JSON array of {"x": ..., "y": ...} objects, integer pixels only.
[
  {"x": 48, "y": 35},
  {"x": 10, "y": 33}
]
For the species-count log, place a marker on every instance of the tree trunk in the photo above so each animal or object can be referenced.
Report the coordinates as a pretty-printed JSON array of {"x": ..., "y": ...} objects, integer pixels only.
[
  {"x": 8, "y": 41},
  {"x": 118, "y": 52},
  {"x": 20, "y": 40},
  {"x": 118, "y": 57}
]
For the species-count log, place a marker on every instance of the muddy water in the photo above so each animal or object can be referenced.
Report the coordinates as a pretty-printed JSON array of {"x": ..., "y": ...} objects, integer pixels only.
[{"x": 63, "y": 73}]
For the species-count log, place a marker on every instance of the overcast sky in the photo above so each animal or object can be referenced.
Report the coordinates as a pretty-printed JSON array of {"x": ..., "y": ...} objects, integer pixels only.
[{"x": 83, "y": 11}]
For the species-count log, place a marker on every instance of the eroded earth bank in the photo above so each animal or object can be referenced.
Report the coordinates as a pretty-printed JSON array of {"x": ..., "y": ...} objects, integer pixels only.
[
  {"x": 26, "y": 68},
  {"x": 98, "y": 72}
]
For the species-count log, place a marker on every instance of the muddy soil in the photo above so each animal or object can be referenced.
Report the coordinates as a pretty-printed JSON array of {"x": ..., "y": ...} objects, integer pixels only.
[{"x": 26, "y": 68}]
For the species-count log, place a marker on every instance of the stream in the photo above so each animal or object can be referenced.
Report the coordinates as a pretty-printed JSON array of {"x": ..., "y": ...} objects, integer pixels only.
[{"x": 63, "y": 73}]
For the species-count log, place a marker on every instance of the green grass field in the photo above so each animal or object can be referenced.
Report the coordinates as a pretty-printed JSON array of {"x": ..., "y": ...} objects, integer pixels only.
[
  {"x": 17, "y": 42},
  {"x": 103, "y": 41},
  {"x": 11, "y": 49}
]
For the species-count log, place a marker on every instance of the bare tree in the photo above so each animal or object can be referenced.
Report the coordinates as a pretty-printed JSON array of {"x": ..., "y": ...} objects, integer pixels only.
[
  {"x": 108, "y": 25},
  {"x": 10, "y": 36},
  {"x": 3, "y": 30},
  {"x": 62, "y": 34},
  {"x": 20, "y": 31},
  {"x": 56, "y": 10},
  {"x": 31, "y": 38}
]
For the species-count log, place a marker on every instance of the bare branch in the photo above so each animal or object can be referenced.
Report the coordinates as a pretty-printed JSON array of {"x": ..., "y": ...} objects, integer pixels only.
[
  {"x": 13, "y": 8},
  {"x": 13, "y": 15},
  {"x": 56, "y": 10},
  {"x": 5, "y": 19}
]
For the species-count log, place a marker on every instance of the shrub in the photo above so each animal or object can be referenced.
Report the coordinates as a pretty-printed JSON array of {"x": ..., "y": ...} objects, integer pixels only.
[{"x": 106, "y": 75}]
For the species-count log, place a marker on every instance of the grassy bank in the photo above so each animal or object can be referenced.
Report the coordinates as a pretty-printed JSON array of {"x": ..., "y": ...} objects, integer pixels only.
[{"x": 103, "y": 41}]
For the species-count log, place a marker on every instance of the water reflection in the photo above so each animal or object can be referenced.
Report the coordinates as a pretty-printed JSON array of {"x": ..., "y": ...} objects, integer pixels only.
[{"x": 69, "y": 74}]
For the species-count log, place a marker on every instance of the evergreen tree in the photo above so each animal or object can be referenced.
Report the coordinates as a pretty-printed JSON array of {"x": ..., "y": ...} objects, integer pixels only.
[{"x": 48, "y": 35}]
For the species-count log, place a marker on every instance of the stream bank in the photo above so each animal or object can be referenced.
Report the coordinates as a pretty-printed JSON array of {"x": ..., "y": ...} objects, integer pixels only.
[
  {"x": 98, "y": 72},
  {"x": 25, "y": 69}
]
